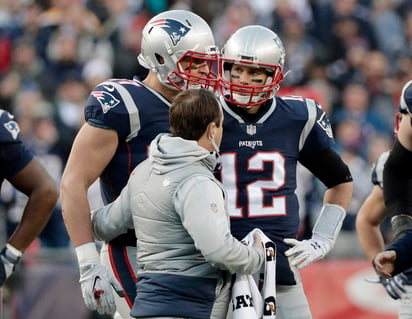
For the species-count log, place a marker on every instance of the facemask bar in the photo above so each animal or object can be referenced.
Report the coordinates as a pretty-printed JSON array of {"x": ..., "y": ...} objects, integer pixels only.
[{"x": 184, "y": 79}]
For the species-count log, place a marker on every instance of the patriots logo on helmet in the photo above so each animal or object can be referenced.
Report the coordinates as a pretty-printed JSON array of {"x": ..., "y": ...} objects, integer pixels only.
[
  {"x": 406, "y": 98},
  {"x": 175, "y": 29},
  {"x": 106, "y": 100}
]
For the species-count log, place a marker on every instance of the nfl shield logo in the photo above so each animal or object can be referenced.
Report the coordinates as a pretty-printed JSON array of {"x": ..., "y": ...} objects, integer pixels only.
[{"x": 251, "y": 129}]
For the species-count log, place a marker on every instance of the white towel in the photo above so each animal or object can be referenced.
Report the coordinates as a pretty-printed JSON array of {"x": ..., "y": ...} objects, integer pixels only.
[{"x": 254, "y": 296}]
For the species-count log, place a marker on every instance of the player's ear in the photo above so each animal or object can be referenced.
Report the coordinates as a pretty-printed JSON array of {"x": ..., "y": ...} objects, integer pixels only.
[{"x": 211, "y": 130}]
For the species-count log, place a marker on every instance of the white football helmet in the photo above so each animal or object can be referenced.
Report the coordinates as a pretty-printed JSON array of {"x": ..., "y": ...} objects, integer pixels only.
[
  {"x": 253, "y": 46},
  {"x": 406, "y": 99},
  {"x": 172, "y": 36}
]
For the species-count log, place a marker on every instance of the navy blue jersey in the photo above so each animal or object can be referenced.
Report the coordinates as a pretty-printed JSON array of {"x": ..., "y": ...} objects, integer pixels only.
[
  {"x": 14, "y": 155},
  {"x": 137, "y": 114},
  {"x": 259, "y": 158}
]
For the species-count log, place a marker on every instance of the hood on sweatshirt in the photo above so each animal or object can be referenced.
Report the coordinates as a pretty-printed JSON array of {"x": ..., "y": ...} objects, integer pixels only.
[{"x": 168, "y": 153}]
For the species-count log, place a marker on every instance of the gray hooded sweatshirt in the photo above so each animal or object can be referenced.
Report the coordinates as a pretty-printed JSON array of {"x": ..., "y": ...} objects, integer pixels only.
[{"x": 184, "y": 245}]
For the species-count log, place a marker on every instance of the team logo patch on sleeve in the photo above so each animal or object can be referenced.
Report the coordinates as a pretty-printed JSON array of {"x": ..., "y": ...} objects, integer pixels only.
[
  {"x": 175, "y": 29},
  {"x": 325, "y": 124},
  {"x": 106, "y": 100},
  {"x": 13, "y": 128}
]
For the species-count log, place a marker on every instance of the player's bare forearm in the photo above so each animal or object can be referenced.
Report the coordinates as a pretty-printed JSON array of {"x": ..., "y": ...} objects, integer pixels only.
[
  {"x": 91, "y": 145},
  {"x": 42, "y": 194},
  {"x": 368, "y": 220},
  {"x": 340, "y": 194},
  {"x": 76, "y": 209}
]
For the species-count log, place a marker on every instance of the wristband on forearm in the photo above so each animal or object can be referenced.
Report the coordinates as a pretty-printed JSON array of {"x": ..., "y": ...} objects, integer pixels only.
[
  {"x": 12, "y": 254},
  {"x": 329, "y": 222},
  {"x": 87, "y": 253}
]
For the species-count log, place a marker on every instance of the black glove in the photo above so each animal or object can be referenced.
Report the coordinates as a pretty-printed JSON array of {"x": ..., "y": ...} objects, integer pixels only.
[{"x": 9, "y": 257}]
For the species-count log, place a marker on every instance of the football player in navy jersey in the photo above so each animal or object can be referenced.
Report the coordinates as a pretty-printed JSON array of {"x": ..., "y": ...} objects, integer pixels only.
[
  {"x": 122, "y": 118},
  {"x": 397, "y": 190},
  {"x": 368, "y": 220},
  {"x": 264, "y": 138},
  {"x": 19, "y": 166}
]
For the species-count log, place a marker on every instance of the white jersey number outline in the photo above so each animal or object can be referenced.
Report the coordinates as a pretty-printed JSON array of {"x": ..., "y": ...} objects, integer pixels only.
[{"x": 255, "y": 190}]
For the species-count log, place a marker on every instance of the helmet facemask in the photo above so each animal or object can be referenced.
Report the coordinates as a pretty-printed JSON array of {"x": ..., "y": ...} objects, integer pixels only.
[
  {"x": 249, "y": 95},
  {"x": 183, "y": 78}
]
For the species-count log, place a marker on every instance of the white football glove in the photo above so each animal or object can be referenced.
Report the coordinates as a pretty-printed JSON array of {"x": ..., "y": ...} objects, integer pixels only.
[
  {"x": 9, "y": 257},
  {"x": 96, "y": 281},
  {"x": 324, "y": 235},
  {"x": 304, "y": 252}
]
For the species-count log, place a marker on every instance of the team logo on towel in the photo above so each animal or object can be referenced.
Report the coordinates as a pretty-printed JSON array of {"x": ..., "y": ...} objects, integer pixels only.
[
  {"x": 270, "y": 251},
  {"x": 270, "y": 306}
]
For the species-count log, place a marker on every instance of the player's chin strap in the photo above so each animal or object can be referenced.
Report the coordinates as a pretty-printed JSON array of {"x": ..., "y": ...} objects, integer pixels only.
[
  {"x": 401, "y": 224},
  {"x": 329, "y": 223}
]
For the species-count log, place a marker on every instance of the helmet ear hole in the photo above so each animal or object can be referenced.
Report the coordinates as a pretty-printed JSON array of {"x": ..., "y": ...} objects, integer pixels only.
[{"x": 159, "y": 58}]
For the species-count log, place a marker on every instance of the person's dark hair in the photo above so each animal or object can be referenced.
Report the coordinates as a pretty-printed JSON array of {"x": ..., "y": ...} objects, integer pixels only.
[{"x": 192, "y": 111}]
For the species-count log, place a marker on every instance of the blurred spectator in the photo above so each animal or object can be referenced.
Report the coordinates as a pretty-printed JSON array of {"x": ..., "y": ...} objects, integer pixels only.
[
  {"x": 377, "y": 77},
  {"x": 347, "y": 69},
  {"x": 284, "y": 9},
  {"x": 355, "y": 106},
  {"x": 235, "y": 15},
  {"x": 122, "y": 29},
  {"x": 68, "y": 105},
  {"x": 63, "y": 60},
  {"x": 26, "y": 63},
  {"x": 9, "y": 86},
  {"x": 95, "y": 71},
  {"x": 377, "y": 146},
  {"x": 388, "y": 29},
  {"x": 318, "y": 80},
  {"x": 300, "y": 47},
  {"x": 348, "y": 135},
  {"x": 340, "y": 23}
]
